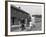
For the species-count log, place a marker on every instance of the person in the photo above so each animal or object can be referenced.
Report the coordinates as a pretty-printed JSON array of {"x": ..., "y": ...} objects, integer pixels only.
[
  {"x": 22, "y": 24},
  {"x": 23, "y": 27}
]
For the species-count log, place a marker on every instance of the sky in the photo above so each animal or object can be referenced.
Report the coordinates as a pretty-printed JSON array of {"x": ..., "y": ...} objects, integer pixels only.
[{"x": 31, "y": 9}]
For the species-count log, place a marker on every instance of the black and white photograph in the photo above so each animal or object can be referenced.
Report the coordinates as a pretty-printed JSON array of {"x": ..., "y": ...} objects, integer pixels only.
[{"x": 25, "y": 18}]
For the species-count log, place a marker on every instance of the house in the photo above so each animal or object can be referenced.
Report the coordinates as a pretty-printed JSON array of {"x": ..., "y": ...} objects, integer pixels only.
[
  {"x": 38, "y": 18},
  {"x": 36, "y": 25},
  {"x": 19, "y": 16}
]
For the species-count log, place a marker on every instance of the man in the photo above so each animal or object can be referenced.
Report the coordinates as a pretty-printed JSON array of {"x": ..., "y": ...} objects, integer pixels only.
[{"x": 22, "y": 24}]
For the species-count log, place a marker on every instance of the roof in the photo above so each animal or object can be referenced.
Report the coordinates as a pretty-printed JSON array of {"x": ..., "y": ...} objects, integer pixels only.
[
  {"x": 19, "y": 10},
  {"x": 37, "y": 16},
  {"x": 19, "y": 14}
]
